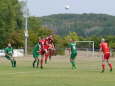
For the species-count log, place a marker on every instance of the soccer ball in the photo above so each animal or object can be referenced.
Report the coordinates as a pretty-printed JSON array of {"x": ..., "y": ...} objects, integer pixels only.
[{"x": 67, "y": 7}]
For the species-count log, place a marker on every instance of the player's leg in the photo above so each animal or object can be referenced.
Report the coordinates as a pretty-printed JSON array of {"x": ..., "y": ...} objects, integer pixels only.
[
  {"x": 110, "y": 65},
  {"x": 41, "y": 61},
  {"x": 103, "y": 64},
  {"x": 50, "y": 54},
  {"x": 37, "y": 62},
  {"x": 42, "y": 58},
  {"x": 35, "y": 56},
  {"x": 9, "y": 58},
  {"x": 14, "y": 62},
  {"x": 72, "y": 60},
  {"x": 107, "y": 60},
  {"x": 11, "y": 62},
  {"x": 46, "y": 57}
]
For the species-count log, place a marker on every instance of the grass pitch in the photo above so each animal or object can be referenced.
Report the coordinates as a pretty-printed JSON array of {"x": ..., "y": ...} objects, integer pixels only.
[{"x": 57, "y": 72}]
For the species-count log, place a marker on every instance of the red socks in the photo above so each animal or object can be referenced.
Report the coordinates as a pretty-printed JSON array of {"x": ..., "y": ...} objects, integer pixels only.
[
  {"x": 103, "y": 66},
  {"x": 110, "y": 65}
]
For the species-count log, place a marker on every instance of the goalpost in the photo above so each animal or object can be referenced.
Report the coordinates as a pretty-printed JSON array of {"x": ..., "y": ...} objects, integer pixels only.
[{"x": 86, "y": 46}]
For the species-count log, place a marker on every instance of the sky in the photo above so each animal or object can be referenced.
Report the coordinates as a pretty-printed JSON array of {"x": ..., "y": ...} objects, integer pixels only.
[{"x": 49, "y": 7}]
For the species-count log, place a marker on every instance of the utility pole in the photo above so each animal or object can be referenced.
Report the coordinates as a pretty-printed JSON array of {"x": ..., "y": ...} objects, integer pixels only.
[{"x": 26, "y": 28}]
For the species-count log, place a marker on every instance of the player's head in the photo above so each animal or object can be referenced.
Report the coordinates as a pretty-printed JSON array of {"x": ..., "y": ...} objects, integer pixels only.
[
  {"x": 51, "y": 36},
  {"x": 71, "y": 40},
  {"x": 47, "y": 37},
  {"x": 42, "y": 37},
  {"x": 102, "y": 40},
  {"x": 9, "y": 44},
  {"x": 39, "y": 38}
]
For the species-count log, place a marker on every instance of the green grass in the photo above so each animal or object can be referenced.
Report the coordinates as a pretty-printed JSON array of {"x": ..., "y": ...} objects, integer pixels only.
[{"x": 58, "y": 72}]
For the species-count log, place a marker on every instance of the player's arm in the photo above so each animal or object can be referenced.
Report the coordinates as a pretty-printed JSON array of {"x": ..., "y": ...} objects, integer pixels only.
[
  {"x": 6, "y": 52},
  {"x": 39, "y": 48},
  {"x": 100, "y": 51},
  {"x": 100, "y": 48},
  {"x": 69, "y": 49},
  {"x": 53, "y": 46},
  {"x": 12, "y": 51}
]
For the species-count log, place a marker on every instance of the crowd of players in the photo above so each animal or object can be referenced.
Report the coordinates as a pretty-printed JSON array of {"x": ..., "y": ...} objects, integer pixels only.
[
  {"x": 43, "y": 51},
  {"x": 45, "y": 48}
]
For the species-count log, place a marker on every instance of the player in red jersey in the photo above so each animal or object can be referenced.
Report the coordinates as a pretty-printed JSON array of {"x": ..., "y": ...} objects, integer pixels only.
[
  {"x": 46, "y": 48},
  {"x": 51, "y": 46},
  {"x": 42, "y": 51},
  {"x": 104, "y": 47}
]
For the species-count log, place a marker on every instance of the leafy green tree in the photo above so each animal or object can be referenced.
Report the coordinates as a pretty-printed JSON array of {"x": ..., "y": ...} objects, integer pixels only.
[
  {"x": 72, "y": 35},
  {"x": 34, "y": 23},
  {"x": 10, "y": 18},
  {"x": 16, "y": 39},
  {"x": 83, "y": 24}
]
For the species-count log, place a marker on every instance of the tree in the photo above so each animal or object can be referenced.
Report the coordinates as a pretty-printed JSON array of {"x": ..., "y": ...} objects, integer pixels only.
[
  {"x": 10, "y": 19},
  {"x": 34, "y": 23},
  {"x": 72, "y": 35}
]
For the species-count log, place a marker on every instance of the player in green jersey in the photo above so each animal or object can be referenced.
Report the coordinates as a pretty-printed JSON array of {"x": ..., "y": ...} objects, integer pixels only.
[
  {"x": 36, "y": 54},
  {"x": 9, "y": 55},
  {"x": 73, "y": 53}
]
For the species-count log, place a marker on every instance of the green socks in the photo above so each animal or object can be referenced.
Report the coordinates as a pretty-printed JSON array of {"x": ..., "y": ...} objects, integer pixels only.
[
  {"x": 37, "y": 64},
  {"x": 13, "y": 62},
  {"x": 73, "y": 65},
  {"x": 34, "y": 63}
]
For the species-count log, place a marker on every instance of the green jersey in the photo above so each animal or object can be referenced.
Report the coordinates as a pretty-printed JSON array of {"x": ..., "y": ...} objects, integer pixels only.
[
  {"x": 73, "y": 47},
  {"x": 36, "y": 49},
  {"x": 9, "y": 50}
]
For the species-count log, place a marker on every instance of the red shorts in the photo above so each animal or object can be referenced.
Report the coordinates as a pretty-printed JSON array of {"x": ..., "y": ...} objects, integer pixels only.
[
  {"x": 42, "y": 51},
  {"x": 106, "y": 56}
]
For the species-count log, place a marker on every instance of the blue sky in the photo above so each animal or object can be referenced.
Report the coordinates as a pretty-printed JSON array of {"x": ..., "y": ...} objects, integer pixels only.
[{"x": 48, "y": 7}]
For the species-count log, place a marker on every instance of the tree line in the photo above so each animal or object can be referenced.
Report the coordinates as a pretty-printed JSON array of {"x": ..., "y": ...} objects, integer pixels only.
[
  {"x": 63, "y": 26},
  {"x": 83, "y": 24}
]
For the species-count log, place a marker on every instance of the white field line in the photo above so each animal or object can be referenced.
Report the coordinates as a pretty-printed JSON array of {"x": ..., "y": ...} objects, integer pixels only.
[
  {"x": 21, "y": 72},
  {"x": 34, "y": 72}
]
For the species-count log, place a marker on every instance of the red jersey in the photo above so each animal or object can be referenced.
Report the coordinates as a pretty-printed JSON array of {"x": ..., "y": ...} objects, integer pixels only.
[
  {"x": 104, "y": 47},
  {"x": 46, "y": 47},
  {"x": 46, "y": 41},
  {"x": 42, "y": 42}
]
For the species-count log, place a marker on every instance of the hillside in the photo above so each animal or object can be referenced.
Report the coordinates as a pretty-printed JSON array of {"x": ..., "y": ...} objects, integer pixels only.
[{"x": 84, "y": 24}]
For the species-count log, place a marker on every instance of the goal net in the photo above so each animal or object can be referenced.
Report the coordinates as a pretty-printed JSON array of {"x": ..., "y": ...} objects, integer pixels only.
[{"x": 85, "y": 48}]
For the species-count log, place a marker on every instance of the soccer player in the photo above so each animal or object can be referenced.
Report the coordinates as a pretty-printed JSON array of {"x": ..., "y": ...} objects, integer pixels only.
[
  {"x": 9, "y": 55},
  {"x": 46, "y": 47},
  {"x": 73, "y": 53},
  {"x": 36, "y": 54},
  {"x": 51, "y": 46},
  {"x": 42, "y": 51},
  {"x": 104, "y": 47}
]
